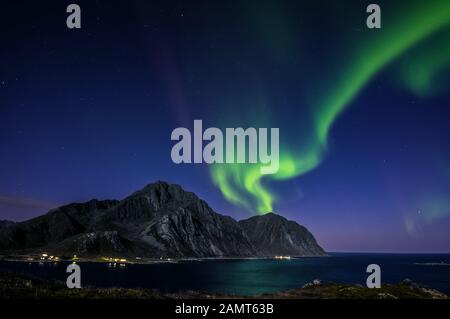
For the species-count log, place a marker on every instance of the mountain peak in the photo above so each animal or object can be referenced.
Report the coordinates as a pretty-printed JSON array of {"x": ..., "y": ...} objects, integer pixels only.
[
  {"x": 161, "y": 193},
  {"x": 271, "y": 216}
]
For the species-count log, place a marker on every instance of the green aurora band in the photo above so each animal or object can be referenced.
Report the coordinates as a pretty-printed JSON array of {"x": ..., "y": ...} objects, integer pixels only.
[{"x": 242, "y": 184}]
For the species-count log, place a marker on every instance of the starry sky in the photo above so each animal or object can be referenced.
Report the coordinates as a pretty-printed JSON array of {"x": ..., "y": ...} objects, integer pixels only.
[{"x": 363, "y": 113}]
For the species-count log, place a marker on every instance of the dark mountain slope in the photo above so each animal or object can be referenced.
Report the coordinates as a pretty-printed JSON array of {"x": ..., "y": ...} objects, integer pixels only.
[
  {"x": 57, "y": 225},
  {"x": 5, "y": 223},
  {"x": 273, "y": 235}
]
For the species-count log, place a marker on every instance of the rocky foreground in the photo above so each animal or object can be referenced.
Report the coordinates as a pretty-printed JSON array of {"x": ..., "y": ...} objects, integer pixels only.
[{"x": 18, "y": 286}]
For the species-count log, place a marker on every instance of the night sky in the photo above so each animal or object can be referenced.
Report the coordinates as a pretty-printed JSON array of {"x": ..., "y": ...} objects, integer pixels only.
[{"x": 363, "y": 114}]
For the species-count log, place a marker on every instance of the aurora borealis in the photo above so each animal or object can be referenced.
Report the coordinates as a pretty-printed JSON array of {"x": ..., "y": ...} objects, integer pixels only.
[
  {"x": 363, "y": 114},
  {"x": 362, "y": 63}
]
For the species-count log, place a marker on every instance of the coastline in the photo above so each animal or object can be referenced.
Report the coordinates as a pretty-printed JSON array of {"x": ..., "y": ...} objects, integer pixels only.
[{"x": 143, "y": 261}]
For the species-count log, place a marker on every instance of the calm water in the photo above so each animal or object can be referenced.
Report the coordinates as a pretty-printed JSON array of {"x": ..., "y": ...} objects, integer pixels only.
[{"x": 247, "y": 277}]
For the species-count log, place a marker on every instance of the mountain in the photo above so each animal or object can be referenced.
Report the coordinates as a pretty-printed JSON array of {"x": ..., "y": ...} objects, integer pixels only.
[
  {"x": 55, "y": 226},
  {"x": 5, "y": 223},
  {"x": 272, "y": 234},
  {"x": 160, "y": 220}
]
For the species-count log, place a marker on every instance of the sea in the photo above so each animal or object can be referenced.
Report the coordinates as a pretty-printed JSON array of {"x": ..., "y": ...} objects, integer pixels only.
[{"x": 251, "y": 276}]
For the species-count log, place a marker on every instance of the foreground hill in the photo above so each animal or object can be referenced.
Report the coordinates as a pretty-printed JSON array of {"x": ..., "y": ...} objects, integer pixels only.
[
  {"x": 160, "y": 220},
  {"x": 19, "y": 286}
]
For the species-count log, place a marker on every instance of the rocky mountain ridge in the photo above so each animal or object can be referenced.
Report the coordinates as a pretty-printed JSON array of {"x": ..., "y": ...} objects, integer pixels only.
[{"x": 160, "y": 220}]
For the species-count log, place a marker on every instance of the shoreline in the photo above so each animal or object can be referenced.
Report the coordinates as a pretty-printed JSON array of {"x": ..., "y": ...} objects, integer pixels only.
[{"x": 142, "y": 261}]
